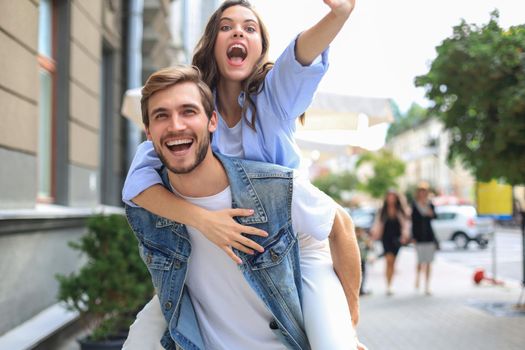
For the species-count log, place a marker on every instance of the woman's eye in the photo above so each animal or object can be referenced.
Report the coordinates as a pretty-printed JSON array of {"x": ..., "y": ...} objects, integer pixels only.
[
  {"x": 225, "y": 28},
  {"x": 250, "y": 29}
]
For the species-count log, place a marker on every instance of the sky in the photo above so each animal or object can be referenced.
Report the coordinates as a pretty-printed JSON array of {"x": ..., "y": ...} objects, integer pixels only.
[{"x": 385, "y": 43}]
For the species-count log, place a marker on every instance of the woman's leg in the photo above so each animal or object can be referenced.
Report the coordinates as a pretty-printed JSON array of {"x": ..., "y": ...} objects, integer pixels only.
[
  {"x": 148, "y": 328},
  {"x": 418, "y": 272},
  {"x": 390, "y": 259},
  {"x": 327, "y": 319},
  {"x": 427, "y": 278},
  {"x": 419, "y": 255}
]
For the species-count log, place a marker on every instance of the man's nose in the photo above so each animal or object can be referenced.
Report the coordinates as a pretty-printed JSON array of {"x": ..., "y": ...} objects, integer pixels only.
[{"x": 176, "y": 123}]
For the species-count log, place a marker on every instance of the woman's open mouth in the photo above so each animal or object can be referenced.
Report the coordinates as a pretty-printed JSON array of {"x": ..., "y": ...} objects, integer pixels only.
[{"x": 236, "y": 54}]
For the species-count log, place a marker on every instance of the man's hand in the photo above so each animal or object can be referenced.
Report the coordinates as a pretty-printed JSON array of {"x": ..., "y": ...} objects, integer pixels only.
[{"x": 222, "y": 230}]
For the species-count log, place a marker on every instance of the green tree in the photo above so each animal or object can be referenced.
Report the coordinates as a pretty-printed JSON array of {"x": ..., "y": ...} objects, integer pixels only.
[
  {"x": 396, "y": 112},
  {"x": 387, "y": 169},
  {"x": 334, "y": 184},
  {"x": 402, "y": 122},
  {"x": 477, "y": 86}
]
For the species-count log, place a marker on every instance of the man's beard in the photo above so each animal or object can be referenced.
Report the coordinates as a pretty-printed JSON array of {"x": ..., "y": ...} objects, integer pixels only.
[{"x": 200, "y": 154}]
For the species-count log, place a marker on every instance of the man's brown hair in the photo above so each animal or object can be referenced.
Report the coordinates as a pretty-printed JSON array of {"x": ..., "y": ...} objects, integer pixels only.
[{"x": 167, "y": 77}]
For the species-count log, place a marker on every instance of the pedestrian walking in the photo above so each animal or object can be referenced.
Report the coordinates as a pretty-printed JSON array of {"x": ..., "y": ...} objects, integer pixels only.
[
  {"x": 423, "y": 235},
  {"x": 365, "y": 246},
  {"x": 391, "y": 227}
]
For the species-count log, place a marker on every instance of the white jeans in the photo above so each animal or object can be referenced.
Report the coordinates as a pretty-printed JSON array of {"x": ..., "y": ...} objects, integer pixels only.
[
  {"x": 327, "y": 319},
  {"x": 148, "y": 328}
]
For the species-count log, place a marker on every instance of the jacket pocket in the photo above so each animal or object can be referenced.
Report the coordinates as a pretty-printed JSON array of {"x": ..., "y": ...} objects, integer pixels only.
[
  {"x": 275, "y": 251},
  {"x": 158, "y": 263}
]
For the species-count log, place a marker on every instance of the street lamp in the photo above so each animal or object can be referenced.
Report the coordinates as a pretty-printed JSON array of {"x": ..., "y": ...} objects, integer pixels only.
[{"x": 519, "y": 208}]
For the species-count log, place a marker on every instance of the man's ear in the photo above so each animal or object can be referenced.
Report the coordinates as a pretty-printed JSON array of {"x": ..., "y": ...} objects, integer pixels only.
[
  {"x": 212, "y": 123},
  {"x": 148, "y": 134}
]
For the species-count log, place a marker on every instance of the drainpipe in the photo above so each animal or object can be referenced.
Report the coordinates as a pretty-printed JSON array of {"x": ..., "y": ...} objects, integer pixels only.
[{"x": 134, "y": 70}]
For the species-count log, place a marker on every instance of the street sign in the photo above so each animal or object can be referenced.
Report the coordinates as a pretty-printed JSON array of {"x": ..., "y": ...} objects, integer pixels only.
[{"x": 494, "y": 199}]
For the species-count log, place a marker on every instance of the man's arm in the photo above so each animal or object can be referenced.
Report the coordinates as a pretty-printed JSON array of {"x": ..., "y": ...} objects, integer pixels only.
[{"x": 346, "y": 259}]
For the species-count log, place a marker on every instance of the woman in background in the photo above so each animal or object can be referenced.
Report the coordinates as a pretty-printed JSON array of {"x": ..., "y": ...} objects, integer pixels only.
[
  {"x": 422, "y": 234},
  {"x": 391, "y": 227}
]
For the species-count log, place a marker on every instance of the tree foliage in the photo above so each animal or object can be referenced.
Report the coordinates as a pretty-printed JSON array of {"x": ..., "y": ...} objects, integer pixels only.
[
  {"x": 334, "y": 184},
  {"x": 477, "y": 86},
  {"x": 387, "y": 169},
  {"x": 402, "y": 122}
]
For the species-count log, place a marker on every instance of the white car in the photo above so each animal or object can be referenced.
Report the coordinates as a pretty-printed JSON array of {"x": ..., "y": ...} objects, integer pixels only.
[{"x": 461, "y": 224}]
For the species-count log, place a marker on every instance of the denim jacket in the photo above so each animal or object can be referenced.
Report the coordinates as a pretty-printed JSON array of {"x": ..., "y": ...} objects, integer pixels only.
[{"x": 274, "y": 275}]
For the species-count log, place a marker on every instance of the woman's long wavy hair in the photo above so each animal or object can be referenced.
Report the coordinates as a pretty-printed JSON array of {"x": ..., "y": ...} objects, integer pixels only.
[
  {"x": 400, "y": 206},
  {"x": 204, "y": 58}
]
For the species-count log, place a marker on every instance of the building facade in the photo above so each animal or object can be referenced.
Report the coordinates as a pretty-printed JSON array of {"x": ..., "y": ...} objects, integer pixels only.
[
  {"x": 424, "y": 149},
  {"x": 64, "y": 146}
]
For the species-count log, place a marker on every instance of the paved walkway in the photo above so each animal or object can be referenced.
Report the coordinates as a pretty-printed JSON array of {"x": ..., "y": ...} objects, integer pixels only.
[{"x": 451, "y": 318}]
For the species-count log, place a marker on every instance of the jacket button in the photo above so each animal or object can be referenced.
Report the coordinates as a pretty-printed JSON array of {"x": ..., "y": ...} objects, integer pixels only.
[
  {"x": 274, "y": 325},
  {"x": 274, "y": 255},
  {"x": 168, "y": 305},
  {"x": 148, "y": 259}
]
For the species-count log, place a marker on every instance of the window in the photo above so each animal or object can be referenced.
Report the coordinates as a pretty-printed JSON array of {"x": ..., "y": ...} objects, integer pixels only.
[
  {"x": 47, "y": 70},
  {"x": 446, "y": 216}
]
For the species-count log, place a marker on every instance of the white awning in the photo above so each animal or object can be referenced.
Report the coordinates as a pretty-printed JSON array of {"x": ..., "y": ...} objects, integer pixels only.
[
  {"x": 131, "y": 107},
  {"x": 338, "y": 141}
]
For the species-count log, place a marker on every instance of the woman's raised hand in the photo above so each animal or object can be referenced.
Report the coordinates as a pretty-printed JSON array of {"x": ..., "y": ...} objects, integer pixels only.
[{"x": 341, "y": 7}]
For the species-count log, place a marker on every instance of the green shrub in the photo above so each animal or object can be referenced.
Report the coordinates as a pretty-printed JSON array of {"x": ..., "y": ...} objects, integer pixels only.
[
  {"x": 114, "y": 283},
  {"x": 334, "y": 184}
]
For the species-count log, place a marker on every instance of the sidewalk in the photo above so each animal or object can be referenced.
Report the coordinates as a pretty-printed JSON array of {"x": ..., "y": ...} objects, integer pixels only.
[
  {"x": 451, "y": 318},
  {"x": 409, "y": 320}
]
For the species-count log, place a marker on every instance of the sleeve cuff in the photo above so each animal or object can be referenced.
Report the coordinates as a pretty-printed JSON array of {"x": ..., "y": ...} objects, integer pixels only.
[{"x": 148, "y": 177}]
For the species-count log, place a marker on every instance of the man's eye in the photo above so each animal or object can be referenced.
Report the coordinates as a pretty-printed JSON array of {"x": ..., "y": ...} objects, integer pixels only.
[
  {"x": 189, "y": 112},
  {"x": 160, "y": 116}
]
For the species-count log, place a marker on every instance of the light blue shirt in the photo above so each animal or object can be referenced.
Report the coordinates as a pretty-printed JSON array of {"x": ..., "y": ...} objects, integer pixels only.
[{"x": 288, "y": 90}]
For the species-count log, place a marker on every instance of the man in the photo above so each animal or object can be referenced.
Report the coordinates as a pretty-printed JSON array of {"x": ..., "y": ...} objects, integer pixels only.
[{"x": 207, "y": 300}]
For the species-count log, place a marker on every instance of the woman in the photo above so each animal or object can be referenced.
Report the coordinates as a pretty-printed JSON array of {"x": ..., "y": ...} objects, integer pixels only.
[
  {"x": 391, "y": 227},
  {"x": 422, "y": 234}
]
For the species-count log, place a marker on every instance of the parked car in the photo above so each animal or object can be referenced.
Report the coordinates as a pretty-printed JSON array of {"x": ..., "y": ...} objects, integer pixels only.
[{"x": 461, "y": 224}]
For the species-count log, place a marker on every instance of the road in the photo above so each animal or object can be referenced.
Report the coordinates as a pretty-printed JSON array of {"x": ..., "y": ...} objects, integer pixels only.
[{"x": 508, "y": 255}]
